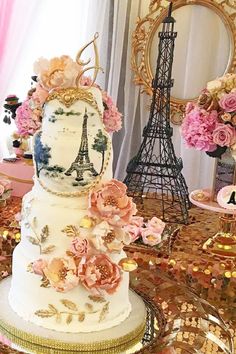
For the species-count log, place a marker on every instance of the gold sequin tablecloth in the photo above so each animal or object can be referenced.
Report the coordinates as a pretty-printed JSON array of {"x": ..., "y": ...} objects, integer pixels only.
[{"x": 185, "y": 322}]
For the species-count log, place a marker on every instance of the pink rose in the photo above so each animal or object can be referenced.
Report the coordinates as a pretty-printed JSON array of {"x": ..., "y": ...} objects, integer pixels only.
[
  {"x": 61, "y": 273},
  {"x": 39, "y": 265},
  {"x": 224, "y": 135},
  {"x": 157, "y": 225},
  {"x": 110, "y": 203},
  {"x": 137, "y": 221},
  {"x": 134, "y": 231},
  {"x": 98, "y": 273},
  {"x": 228, "y": 102},
  {"x": 150, "y": 237},
  {"x": 79, "y": 247}
]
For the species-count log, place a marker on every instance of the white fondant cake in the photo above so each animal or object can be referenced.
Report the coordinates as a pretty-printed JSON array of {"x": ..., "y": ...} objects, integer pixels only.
[{"x": 66, "y": 275}]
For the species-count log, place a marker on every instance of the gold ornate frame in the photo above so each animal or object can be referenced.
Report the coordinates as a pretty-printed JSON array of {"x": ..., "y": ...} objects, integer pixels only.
[{"x": 146, "y": 28}]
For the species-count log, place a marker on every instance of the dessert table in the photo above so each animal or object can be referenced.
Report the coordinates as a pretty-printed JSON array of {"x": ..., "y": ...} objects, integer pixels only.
[{"x": 176, "y": 317}]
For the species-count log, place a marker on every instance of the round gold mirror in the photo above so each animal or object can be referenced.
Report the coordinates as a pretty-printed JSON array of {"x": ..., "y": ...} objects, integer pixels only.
[{"x": 205, "y": 47}]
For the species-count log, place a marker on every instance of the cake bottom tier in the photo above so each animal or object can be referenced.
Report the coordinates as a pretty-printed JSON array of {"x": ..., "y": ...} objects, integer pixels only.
[
  {"x": 73, "y": 311},
  {"x": 37, "y": 339}
]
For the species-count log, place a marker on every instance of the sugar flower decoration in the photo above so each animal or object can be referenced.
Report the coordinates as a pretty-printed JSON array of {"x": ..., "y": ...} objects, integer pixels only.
[
  {"x": 111, "y": 203},
  {"x": 28, "y": 120},
  {"x": 57, "y": 72},
  {"x": 98, "y": 273}
]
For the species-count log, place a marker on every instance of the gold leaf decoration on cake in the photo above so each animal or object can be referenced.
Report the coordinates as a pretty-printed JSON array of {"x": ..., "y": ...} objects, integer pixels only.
[
  {"x": 89, "y": 307},
  {"x": 69, "y": 304},
  {"x": 73, "y": 311},
  {"x": 71, "y": 231},
  {"x": 33, "y": 240},
  {"x": 44, "y": 233},
  {"x": 104, "y": 312},
  {"x": 44, "y": 313},
  {"x": 48, "y": 249},
  {"x": 69, "y": 318},
  {"x": 45, "y": 283},
  {"x": 81, "y": 316},
  {"x": 96, "y": 298}
]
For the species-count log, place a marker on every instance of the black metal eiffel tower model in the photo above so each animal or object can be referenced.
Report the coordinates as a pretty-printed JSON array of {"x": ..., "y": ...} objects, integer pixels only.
[
  {"x": 154, "y": 177},
  {"x": 82, "y": 162}
]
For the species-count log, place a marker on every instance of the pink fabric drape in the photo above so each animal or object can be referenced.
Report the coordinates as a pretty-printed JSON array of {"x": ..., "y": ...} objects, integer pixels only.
[{"x": 6, "y": 7}]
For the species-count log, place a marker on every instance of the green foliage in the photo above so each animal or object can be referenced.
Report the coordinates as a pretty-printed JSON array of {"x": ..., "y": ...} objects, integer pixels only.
[{"x": 100, "y": 142}]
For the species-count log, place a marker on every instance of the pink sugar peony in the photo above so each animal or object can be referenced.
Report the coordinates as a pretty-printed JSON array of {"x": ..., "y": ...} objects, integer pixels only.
[
  {"x": 228, "y": 102},
  {"x": 61, "y": 273},
  {"x": 111, "y": 116},
  {"x": 224, "y": 135},
  {"x": 150, "y": 237},
  {"x": 79, "y": 247},
  {"x": 110, "y": 203},
  {"x": 98, "y": 273},
  {"x": 39, "y": 266}
]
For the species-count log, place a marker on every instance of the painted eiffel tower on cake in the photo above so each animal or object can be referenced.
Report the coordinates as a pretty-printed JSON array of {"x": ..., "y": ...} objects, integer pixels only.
[
  {"x": 154, "y": 177},
  {"x": 82, "y": 162}
]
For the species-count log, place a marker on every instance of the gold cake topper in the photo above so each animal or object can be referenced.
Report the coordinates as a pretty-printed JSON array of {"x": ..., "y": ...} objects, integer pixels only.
[{"x": 82, "y": 63}]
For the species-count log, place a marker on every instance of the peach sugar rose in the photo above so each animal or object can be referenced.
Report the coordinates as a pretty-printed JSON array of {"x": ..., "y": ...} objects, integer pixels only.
[
  {"x": 98, "y": 273},
  {"x": 61, "y": 273},
  {"x": 110, "y": 203}
]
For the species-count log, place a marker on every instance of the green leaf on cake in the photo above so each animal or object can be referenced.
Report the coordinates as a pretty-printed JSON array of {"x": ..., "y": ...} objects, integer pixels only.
[
  {"x": 69, "y": 304},
  {"x": 48, "y": 249},
  {"x": 44, "y": 233},
  {"x": 81, "y": 316},
  {"x": 104, "y": 312},
  {"x": 71, "y": 231},
  {"x": 96, "y": 298},
  {"x": 33, "y": 240}
]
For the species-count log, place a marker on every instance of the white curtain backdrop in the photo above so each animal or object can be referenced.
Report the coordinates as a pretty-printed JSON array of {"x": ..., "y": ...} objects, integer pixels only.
[{"x": 51, "y": 33}]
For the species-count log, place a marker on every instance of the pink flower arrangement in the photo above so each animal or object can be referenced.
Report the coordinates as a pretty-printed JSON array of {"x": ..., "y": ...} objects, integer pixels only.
[
  {"x": 27, "y": 119},
  {"x": 39, "y": 266},
  {"x": 111, "y": 203},
  {"x": 98, "y": 273},
  {"x": 5, "y": 188},
  {"x": 209, "y": 124}
]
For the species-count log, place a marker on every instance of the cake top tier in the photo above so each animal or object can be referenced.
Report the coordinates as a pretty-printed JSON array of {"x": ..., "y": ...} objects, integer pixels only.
[{"x": 72, "y": 152}]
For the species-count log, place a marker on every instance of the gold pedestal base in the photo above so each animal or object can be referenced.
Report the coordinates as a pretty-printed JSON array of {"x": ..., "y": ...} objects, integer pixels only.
[{"x": 224, "y": 242}]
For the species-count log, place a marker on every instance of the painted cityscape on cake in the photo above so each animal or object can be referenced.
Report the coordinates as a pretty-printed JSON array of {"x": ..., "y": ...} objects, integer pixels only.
[{"x": 86, "y": 157}]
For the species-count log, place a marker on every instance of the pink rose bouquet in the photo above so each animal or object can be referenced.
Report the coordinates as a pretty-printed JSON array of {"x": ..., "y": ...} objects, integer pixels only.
[
  {"x": 27, "y": 119},
  {"x": 98, "y": 273},
  {"x": 210, "y": 123},
  {"x": 5, "y": 189}
]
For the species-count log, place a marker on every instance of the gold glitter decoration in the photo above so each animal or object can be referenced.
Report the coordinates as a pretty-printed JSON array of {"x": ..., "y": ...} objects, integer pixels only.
[
  {"x": 128, "y": 264},
  {"x": 74, "y": 312},
  {"x": 97, "y": 298},
  {"x": 201, "y": 196}
]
